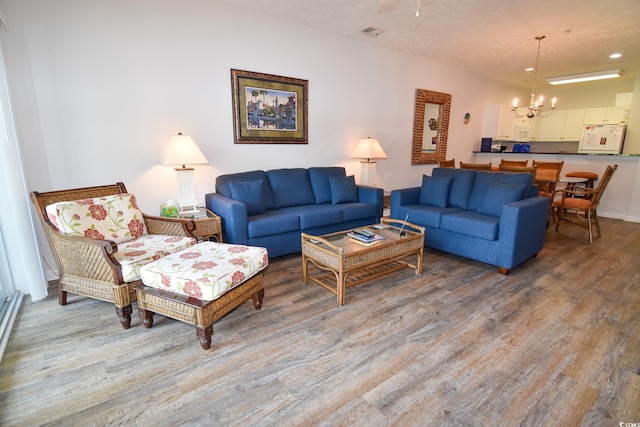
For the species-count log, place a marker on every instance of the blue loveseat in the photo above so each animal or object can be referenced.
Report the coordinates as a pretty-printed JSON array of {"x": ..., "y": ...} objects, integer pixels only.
[
  {"x": 492, "y": 217},
  {"x": 271, "y": 209}
]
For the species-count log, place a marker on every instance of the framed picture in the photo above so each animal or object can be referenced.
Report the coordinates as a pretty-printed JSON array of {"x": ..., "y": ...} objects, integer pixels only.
[{"x": 269, "y": 109}]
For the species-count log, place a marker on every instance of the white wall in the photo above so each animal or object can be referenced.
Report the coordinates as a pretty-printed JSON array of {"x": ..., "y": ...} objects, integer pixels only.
[
  {"x": 99, "y": 86},
  {"x": 102, "y": 86}
]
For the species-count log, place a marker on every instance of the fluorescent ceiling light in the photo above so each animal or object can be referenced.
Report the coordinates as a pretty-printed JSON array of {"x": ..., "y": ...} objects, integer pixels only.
[{"x": 585, "y": 77}]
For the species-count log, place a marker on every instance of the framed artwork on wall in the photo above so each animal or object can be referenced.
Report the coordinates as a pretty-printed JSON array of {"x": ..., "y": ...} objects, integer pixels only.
[{"x": 269, "y": 109}]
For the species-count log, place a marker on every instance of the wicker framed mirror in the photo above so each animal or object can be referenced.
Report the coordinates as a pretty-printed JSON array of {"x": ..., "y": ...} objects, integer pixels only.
[{"x": 430, "y": 127}]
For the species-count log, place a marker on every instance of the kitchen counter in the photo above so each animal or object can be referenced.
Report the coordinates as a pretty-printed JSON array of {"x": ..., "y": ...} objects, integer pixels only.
[{"x": 557, "y": 153}]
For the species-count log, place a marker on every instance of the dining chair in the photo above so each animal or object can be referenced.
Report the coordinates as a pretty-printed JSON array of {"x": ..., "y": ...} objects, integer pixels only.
[
  {"x": 547, "y": 174},
  {"x": 529, "y": 169},
  {"x": 447, "y": 163},
  {"x": 579, "y": 205},
  {"x": 477, "y": 166},
  {"x": 521, "y": 163}
]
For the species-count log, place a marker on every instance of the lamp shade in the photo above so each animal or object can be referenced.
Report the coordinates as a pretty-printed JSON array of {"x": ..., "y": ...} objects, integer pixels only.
[
  {"x": 369, "y": 149},
  {"x": 182, "y": 150}
]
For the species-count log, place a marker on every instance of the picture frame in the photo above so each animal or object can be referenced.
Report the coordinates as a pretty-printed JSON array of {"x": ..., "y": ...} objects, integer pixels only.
[{"x": 269, "y": 109}]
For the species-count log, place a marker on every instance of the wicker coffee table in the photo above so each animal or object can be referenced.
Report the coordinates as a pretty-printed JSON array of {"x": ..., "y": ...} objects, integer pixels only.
[{"x": 343, "y": 263}]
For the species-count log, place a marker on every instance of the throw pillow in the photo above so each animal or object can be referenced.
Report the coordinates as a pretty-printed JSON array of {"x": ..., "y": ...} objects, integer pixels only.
[
  {"x": 114, "y": 217},
  {"x": 250, "y": 193},
  {"x": 435, "y": 190},
  {"x": 343, "y": 189},
  {"x": 497, "y": 195}
]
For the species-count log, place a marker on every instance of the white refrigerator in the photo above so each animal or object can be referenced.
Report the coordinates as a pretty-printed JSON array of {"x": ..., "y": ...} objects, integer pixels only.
[{"x": 602, "y": 139}]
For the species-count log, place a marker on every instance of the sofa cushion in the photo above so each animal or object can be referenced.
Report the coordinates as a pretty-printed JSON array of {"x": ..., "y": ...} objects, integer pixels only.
[
  {"x": 425, "y": 215},
  {"x": 114, "y": 217},
  {"x": 343, "y": 189},
  {"x": 357, "y": 211},
  {"x": 313, "y": 216},
  {"x": 435, "y": 191},
  {"x": 223, "y": 186},
  {"x": 486, "y": 180},
  {"x": 461, "y": 185},
  {"x": 291, "y": 187},
  {"x": 319, "y": 177},
  {"x": 497, "y": 195},
  {"x": 472, "y": 224},
  {"x": 272, "y": 222},
  {"x": 251, "y": 193}
]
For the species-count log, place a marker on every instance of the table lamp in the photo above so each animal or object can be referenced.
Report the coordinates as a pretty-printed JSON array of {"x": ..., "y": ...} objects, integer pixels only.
[
  {"x": 182, "y": 150},
  {"x": 369, "y": 150}
]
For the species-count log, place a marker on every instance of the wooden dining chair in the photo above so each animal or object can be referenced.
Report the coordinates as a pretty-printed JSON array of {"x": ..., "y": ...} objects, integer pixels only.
[
  {"x": 525, "y": 169},
  {"x": 477, "y": 166},
  {"x": 547, "y": 173},
  {"x": 521, "y": 163},
  {"x": 579, "y": 205},
  {"x": 447, "y": 163}
]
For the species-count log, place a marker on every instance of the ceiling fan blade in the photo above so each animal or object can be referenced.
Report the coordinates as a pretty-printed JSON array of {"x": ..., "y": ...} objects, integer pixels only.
[{"x": 387, "y": 5}]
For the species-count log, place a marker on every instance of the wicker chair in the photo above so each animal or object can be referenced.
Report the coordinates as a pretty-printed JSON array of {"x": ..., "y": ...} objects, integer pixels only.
[
  {"x": 477, "y": 166},
  {"x": 579, "y": 205},
  {"x": 518, "y": 163},
  {"x": 88, "y": 266},
  {"x": 531, "y": 170},
  {"x": 447, "y": 163},
  {"x": 547, "y": 173}
]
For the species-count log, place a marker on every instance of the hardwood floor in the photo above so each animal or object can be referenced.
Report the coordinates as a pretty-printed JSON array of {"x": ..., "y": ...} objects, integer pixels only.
[{"x": 555, "y": 343}]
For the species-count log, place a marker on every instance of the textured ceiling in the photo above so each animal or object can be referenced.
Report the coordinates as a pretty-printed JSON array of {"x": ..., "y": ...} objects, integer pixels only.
[{"x": 495, "y": 38}]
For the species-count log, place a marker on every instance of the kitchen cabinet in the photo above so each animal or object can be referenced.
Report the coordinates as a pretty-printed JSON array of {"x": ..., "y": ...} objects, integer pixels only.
[
  {"x": 610, "y": 115},
  {"x": 499, "y": 122},
  {"x": 560, "y": 125}
]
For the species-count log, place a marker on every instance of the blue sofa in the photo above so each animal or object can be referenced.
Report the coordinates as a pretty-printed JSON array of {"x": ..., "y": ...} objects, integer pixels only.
[
  {"x": 271, "y": 209},
  {"x": 492, "y": 217}
]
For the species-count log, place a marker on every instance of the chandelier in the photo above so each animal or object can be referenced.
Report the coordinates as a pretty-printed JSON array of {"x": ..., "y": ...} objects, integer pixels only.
[{"x": 535, "y": 105}]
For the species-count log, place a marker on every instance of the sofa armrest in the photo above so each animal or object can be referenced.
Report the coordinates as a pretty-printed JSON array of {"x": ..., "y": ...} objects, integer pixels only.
[
  {"x": 372, "y": 195},
  {"x": 404, "y": 196},
  {"x": 523, "y": 225},
  {"x": 233, "y": 215}
]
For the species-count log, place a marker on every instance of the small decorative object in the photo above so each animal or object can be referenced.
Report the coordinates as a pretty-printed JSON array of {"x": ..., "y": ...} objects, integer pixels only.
[
  {"x": 269, "y": 109},
  {"x": 467, "y": 118},
  {"x": 169, "y": 210},
  {"x": 433, "y": 124}
]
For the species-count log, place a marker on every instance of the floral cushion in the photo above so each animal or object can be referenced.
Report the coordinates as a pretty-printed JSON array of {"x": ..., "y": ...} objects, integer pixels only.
[
  {"x": 115, "y": 217},
  {"x": 205, "y": 271},
  {"x": 140, "y": 251}
]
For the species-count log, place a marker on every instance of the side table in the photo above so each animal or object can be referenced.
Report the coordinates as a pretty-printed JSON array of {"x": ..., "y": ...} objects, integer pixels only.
[{"x": 206, "y": 226}]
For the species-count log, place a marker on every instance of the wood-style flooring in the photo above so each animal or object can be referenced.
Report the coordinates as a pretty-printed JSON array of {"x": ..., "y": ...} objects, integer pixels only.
[{"x": 555, "y": 343}]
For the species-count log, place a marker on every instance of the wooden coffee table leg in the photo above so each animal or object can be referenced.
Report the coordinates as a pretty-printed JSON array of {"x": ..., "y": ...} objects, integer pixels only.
[
  {"x": 146, "y": 317},
  {"x": 204, "y": 335},
  {"x": 341, "y": 289}
]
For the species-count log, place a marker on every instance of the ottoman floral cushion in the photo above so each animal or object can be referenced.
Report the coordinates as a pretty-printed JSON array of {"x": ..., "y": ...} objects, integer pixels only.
[
  {"x": 140, "y": 251},
  {"x": 205, "y": 271}
]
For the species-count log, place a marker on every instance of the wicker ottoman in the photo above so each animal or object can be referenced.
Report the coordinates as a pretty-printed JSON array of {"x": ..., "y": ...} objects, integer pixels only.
[{"x": 201, "y": 284}]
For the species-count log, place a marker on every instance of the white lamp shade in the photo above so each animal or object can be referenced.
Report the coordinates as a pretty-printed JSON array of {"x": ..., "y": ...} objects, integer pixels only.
[
  {"x": 182, "y": 150},
  {"x": 369, "y": 149}
]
